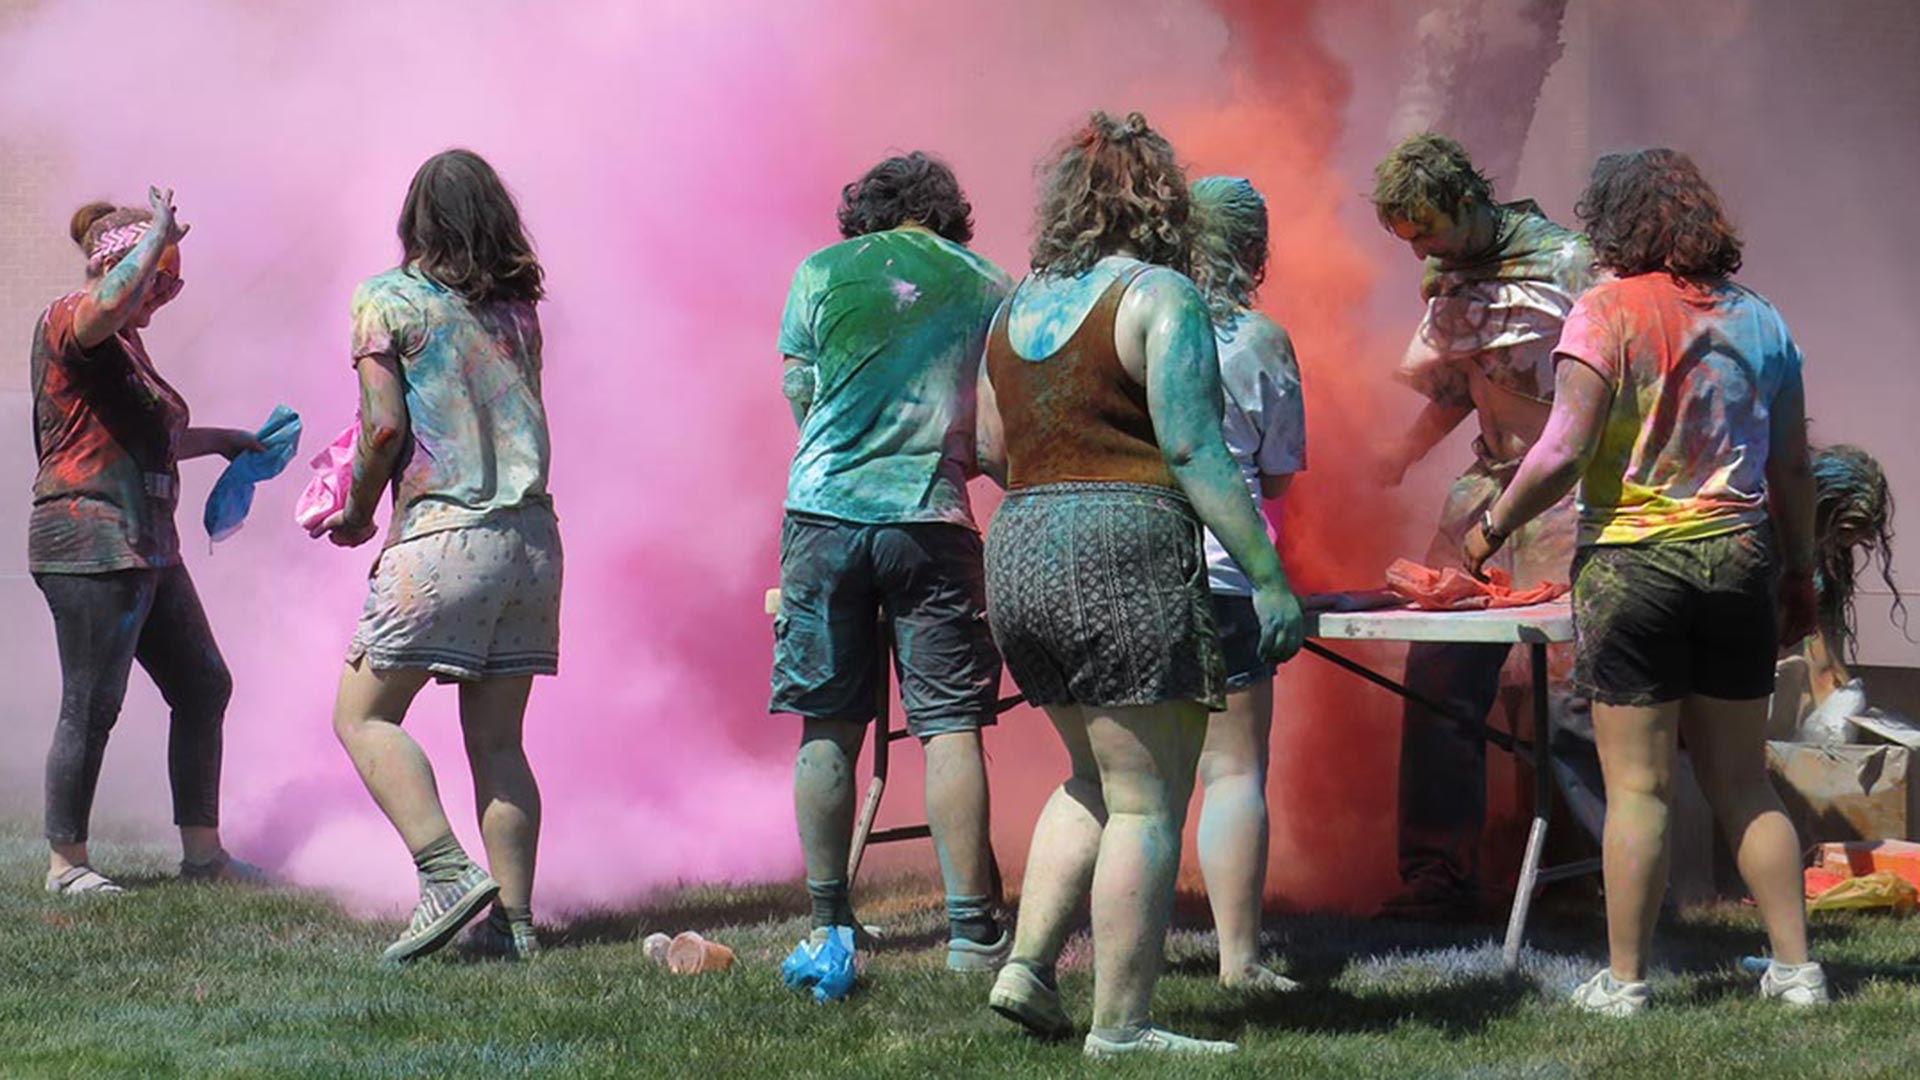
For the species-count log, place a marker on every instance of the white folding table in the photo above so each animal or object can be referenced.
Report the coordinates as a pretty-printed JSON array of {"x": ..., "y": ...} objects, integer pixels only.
[{"x": 1535, "y": 626}]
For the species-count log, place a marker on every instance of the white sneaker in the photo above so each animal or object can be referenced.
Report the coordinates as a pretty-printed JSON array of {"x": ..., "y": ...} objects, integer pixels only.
[
  {"x": 1154, "y": 1041},
  {"x": 1608, "y": 996},
  {"x": 1800, "y": 985}
]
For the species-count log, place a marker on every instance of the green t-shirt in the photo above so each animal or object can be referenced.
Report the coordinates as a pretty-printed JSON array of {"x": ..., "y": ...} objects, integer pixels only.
[{"x": 893, "y": 324}]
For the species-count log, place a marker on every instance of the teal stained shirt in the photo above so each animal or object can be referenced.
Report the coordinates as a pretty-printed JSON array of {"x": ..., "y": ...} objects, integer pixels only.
[
  {"x": 893, "y": 324},
  {"x": 477, "y": 427}
]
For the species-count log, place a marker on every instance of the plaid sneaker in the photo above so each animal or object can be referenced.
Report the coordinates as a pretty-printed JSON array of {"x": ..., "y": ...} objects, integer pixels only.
[
  {"x": 496, "y": 935},
  {"x": 444, "y": 908}
]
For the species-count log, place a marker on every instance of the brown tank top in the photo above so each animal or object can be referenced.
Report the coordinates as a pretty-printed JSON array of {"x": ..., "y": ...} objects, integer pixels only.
[{"x": 1075, "y": 415}]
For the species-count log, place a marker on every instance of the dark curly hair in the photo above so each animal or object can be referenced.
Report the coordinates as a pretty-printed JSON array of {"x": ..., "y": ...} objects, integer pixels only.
[
  {"x": 460, "y": 227},
  {"x": 1230, "y": 244},
  {"x": 1112, "y": 184},
  {"x": 1427, "y": 174},
  {"x": 1652, "y": 210},
  {"x": 917, "y": 187},
  {"x": 1850, "y": 497}
]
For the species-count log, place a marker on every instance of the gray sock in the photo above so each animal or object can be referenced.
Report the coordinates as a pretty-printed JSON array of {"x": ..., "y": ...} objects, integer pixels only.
[
  {"x": 971, "y": 917},
  {"x": 830, "y": 904},
  {"x": 442, "y": 860}
]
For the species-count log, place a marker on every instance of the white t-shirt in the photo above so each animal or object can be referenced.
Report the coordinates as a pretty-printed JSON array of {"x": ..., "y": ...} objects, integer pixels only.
[{"x": 1265, "y": 421}]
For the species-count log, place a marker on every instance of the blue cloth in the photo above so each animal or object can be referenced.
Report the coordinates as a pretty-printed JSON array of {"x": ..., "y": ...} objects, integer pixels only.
[{"x": 232, "y": 494}]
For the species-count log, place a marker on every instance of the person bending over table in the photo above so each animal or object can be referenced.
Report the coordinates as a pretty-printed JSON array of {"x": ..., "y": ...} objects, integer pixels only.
[
  {"x": 1679, "y": 409},
  {"x": 1101, "y": 410}
]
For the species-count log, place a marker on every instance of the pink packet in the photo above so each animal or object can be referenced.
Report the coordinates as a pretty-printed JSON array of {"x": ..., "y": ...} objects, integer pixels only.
[{"x": 326, "y": 493}]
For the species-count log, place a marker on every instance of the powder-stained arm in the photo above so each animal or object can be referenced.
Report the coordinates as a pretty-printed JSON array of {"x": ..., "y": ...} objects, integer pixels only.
[
  {"x": 797, "y": 383},
  {"x": 1434, "y": 423},
  {"x": 112, "y": 298},
  {"x": 229, "y": 443},
  {"x": 990, "y": 433},
  {"x": 1581, "y": 398},
  {"x": 383, "y": 433},
  {"x": 1164, "y": 322},
  {"x": 1790, "y": 497}
]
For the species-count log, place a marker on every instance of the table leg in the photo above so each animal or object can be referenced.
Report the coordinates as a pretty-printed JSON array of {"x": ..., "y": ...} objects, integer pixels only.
[
  {"x": 882, "y": 748},
  {"x": 1542, "y": 809}
]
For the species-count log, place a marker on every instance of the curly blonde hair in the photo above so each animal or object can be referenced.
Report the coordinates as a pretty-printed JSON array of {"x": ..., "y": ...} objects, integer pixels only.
[
  {"x": 1112, "y": 184},
  {"x": 1229, "y": 244}
]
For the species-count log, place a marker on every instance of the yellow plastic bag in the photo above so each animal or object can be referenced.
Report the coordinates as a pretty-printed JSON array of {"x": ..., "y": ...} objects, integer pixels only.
[{"x": 1881, "y": 889}]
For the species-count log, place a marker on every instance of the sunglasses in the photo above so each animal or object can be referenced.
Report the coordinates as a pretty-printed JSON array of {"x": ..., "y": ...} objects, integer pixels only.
[{"x": 166, "y": 286}]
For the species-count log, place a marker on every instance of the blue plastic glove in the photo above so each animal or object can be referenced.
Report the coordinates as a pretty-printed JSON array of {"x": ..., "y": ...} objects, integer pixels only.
[{"x": 232, "y": 494}]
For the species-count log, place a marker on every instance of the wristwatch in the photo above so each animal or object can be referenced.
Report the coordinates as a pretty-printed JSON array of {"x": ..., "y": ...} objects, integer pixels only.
[{"x": 1494, "y": 536}]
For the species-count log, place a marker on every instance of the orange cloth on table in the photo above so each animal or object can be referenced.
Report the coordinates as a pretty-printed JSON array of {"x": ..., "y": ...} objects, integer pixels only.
[{"x": 1453, "y": 589}]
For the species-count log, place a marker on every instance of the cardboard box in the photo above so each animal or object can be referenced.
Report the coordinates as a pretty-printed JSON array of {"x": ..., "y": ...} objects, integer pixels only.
[{"x": 1846, "y": 792}]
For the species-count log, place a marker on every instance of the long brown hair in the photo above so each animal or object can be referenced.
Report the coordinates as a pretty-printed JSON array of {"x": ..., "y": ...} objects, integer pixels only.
[
  {"x": 1851, "y": 496},
  {"x": 461, "y": 228},
  {"x": 1112, "y": 184},
  {"x": 1652, "y": 210}
]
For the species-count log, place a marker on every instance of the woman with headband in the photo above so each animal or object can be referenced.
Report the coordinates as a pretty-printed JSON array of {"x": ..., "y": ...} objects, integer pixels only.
[{"x": 101, "y": 545}]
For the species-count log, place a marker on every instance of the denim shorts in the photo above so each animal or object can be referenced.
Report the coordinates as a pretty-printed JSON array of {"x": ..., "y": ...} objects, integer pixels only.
[
  {"x": 1655, "y": 622},
  {"x": 480, "y": 601},
  {"x": 1098, "y": 593},
  {"x": 837, "y": 576},
  {"x": 1239, "y": 628}
]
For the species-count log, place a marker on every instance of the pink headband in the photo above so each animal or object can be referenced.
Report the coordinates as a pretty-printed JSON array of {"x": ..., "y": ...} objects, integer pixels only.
[{"x": 114, "y": 243}]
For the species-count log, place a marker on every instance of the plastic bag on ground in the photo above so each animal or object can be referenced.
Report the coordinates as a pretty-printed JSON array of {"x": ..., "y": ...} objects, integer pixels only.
[{"x": 1882, "y": 889}]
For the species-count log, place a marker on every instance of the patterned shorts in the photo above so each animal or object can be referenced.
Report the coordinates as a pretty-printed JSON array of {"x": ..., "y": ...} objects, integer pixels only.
[
  {"x": 1097, "y": 594},
  {"x": 477, "y": 602}
]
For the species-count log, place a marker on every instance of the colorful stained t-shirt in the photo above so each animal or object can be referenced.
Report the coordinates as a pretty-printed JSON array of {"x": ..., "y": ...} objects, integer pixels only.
[
  {"x": 893, "y": 324},
  {"x": 1492, "y": 319},
  {"x": 107, "y": 430},
  {"x": 1265, "y": 422},
  {"x": 1695, "y": 370},
  {"x": 478, "y": 429}
]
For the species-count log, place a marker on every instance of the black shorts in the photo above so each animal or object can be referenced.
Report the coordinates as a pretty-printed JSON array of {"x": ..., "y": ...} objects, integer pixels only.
[
  {"x": 836, "y": 577},
  {"x": 1658, "y": 621},
  {"x": 1240, "y": 641},
  {"x": 1099, "y": 596}
]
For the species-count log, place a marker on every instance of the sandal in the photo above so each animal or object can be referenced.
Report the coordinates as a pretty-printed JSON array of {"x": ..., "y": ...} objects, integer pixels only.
[{"x": 81, "y": 881}]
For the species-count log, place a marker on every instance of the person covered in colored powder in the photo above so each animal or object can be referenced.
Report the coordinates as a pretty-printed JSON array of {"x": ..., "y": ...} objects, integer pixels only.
[
  {"x": 110, "y": 433},
  {"x": 1499, "y": 280},
  {"x": 1265, "y": 426},
  {"x": 1101, "y": 412},
  {"x": 1678, "y": 408},
  {"x": 467, "y": 586},
  {"x": 881, "y": 336},
  {"x": 1853, "y": 515}
]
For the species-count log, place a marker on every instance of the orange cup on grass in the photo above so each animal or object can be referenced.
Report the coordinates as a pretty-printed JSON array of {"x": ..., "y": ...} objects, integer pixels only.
[{"x": 691, "y": 954}]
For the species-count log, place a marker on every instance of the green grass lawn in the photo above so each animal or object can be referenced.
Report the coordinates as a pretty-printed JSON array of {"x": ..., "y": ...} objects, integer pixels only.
[{"x": 175, "y": 980}]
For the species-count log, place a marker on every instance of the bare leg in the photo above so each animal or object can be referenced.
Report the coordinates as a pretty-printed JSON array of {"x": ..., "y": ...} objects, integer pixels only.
[
  {"x": 1146, "y": 757},
  {"x": 957, "y": 812},
  {"x": 1727, "y": 740},
  {"x": 506, "y": 799},
  {"x": 823, "y": 800},
  {"x": 1066, "y": 840},
  {"x": 366, "y": 718},
  {"x": 1637, "y": 747},
  {"x": 1233, "y": 825}
]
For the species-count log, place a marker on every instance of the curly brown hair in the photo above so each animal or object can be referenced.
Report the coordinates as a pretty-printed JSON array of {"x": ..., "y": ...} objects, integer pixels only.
[
  {"x": 1427, "y": 174},
  {"x": 914, "y": 187},
  {"x": 1651, "y": 210},
  {"x": 1112, "y": 184}
]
